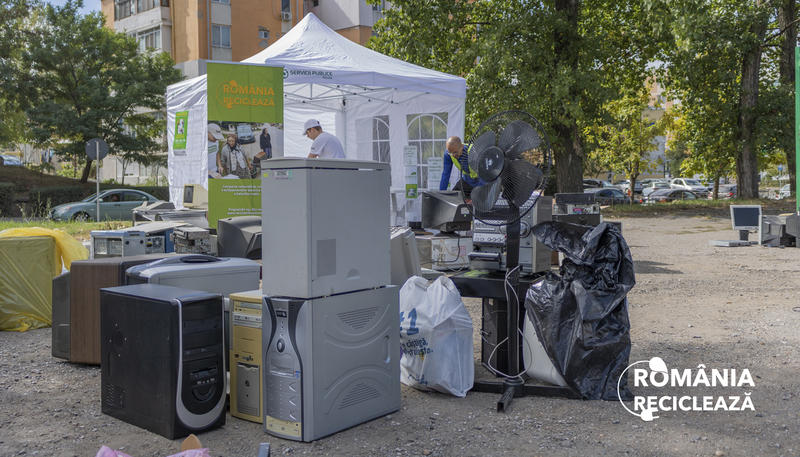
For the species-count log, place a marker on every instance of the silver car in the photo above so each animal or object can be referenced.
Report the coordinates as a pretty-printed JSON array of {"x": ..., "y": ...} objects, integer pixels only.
[
  {"x": 690, "y": 184},
  {"x": 114, "y": 204}
]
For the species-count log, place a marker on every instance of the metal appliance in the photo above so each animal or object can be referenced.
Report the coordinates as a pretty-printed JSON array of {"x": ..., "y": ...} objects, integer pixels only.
[
  {"x": 445, "y": 211},
  {"x": 246, "y": 373},
  {"x": 76, "y": 312},
  {"x": 192, "y": 240},
  {"x": 330, "y": 362},
  {"x": 60, "y": 334},
  {"x": 577, "y": 208},
  {"x": 163, "y": 362},
  {"x": 219, "y": 275},
  {"x": 346, "y": 245},
  {"x": 404, "y": 255},
  {"x": 329, "y": 320},
  {"x": 489, "y": 239},
  {"x": 239, "y": 237},
  {"x": 150, "y": 238}
]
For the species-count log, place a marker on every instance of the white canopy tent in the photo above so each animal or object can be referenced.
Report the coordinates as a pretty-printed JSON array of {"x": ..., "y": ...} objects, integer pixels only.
[{"x": 373, "y": 103}]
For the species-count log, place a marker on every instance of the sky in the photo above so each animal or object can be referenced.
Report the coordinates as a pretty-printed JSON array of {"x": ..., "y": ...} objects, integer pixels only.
[{"x": 89, "y": 6}]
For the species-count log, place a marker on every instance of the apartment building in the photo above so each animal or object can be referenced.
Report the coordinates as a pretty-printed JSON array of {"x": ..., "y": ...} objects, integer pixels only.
[{"x": 194, "y": 31}]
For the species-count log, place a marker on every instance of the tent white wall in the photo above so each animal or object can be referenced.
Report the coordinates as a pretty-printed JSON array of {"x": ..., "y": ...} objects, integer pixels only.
[{"x": 345, "y": 86}]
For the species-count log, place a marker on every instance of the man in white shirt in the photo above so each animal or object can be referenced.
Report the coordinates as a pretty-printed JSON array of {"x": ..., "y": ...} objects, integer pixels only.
[{"x": 325, "y": 145}]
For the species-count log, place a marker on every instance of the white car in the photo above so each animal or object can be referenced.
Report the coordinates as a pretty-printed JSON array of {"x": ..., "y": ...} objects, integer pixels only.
[
  {"x": 689, "y": 184},
  {"x": 654, "y": 186}
]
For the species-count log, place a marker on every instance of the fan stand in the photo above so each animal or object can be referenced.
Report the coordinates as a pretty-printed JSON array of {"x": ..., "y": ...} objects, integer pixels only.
[{"x": 511, "y": 387}]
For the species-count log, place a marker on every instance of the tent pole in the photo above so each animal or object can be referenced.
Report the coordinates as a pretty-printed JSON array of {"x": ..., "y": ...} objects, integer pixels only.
[{"x": 344, "y": 116}]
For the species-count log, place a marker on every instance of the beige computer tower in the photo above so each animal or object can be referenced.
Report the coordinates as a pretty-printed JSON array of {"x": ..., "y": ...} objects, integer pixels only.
[{"x": 246, "y": 373}]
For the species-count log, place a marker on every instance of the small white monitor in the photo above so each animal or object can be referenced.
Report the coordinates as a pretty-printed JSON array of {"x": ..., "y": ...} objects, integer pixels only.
[{"x": 746, "y": 217}]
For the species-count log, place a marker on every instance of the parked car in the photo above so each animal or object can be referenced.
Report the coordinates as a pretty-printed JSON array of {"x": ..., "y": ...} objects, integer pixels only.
[
  {"x": 114, "y": 204},
  {"x": 245, "y": 134},
  {"x": 670, "y": 195},
  {"x": 654, "y": 186},
  {"x": 595, "y": 183},
  {"x": 725, "y": 192},
  {"x": 11, "y": 161},
  {"x": 626, "y": 184},
  {"x": 608, "y": 195},
  {"x": 689, "y": 184},
  {"x": 785, "y": 192}
]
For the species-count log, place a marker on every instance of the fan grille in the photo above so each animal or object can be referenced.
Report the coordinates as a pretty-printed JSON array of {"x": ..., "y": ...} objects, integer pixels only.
[{"x": 524, "y": 172}]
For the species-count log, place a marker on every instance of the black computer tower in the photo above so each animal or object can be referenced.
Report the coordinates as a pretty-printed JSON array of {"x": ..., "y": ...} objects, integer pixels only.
[{"x": 162, "y": 358}]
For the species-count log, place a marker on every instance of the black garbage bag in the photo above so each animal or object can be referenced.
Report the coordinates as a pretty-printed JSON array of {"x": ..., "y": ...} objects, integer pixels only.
[{"x": 581, "y": 314}]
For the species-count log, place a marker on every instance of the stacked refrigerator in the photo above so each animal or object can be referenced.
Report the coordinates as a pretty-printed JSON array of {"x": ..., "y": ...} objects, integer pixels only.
[{"x": 330, "y": 357}]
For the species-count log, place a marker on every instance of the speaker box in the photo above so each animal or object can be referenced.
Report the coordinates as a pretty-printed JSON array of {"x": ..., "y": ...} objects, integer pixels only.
[
  {"x": 163, "y": 363},
  {"x": 60, "y": 334},
  {"x": 87, "y": 277}
]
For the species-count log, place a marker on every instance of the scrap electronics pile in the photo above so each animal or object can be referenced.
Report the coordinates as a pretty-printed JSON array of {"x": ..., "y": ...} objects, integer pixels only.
[
  {"x": 309, "y": 337},
  {"x": 772, "y": 231},
  {"x": 310, "y": 350}
]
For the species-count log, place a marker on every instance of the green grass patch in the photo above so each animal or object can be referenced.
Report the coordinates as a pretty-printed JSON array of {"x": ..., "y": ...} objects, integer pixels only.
[
  {"x": 79, "y": 230},
  {"x": 712, "y": 208}
]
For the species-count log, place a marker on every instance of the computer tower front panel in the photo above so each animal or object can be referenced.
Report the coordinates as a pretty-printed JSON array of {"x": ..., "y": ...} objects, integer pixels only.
[
  {"x": 162, "y": 358},
  {"x": 246, "y": 381},
  {"x": 331, "y": 362}
]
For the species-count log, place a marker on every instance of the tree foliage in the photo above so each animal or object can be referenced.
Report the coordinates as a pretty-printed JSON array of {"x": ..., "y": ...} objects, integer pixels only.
[
  {"x": 719, "y": 62},
  {"x": 560, "y": 60},
  {"x": 623, "y": 145},
  {"x": 76, "y": 80}
]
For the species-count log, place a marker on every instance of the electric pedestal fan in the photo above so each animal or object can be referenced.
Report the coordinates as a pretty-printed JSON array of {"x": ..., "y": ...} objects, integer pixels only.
[{"x": 511, "y": 154}]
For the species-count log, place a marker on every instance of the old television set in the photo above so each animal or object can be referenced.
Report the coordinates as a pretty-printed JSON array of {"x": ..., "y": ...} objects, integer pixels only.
[
  {"x": 195, "y": 196},
  {"x": 746, "y": 218}
]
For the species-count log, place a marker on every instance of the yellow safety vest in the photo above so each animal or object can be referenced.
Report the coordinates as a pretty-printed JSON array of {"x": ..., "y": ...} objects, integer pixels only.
[{"x": 472, "y": 173}]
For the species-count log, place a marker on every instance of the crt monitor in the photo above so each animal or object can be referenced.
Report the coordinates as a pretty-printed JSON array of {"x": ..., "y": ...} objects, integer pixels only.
[
  {"x": 195, "y": 196},
  {"x": 239, "y": 237},
  {"x": 745, "y": 218}
]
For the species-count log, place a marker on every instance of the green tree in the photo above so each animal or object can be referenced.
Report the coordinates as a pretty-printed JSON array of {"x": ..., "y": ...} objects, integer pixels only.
[
  {"x": 719, "y": 65},
  {"x": 560, "y": 60},
  {"x": 623, "y": 145},
  {"x": 76, "y": 80},
  {"x": 13, "y": 14}
]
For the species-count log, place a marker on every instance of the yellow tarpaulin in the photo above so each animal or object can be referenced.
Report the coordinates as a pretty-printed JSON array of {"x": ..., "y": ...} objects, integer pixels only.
[
  {"x": 29, "y": 260},
  {"x": 67, "y": 247}
]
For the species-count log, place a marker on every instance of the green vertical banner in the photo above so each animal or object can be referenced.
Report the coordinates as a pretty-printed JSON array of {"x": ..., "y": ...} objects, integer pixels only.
[
  {"x": 244, "y": 102},
  {"x": 181, "y": 128},
  {"x": 797, "y": 128}
]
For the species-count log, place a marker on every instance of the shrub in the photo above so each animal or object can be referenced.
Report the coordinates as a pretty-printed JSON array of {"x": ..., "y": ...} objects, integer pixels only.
[{"x": 6, "y": 198}]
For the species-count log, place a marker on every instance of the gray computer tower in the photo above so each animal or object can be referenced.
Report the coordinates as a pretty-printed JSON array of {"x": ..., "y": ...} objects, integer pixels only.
[
  {"x": 324, "y": 226},
  {"x": 330, "y": 363}
]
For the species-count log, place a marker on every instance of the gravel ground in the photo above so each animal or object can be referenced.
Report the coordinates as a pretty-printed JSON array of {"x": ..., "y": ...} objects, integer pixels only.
[{"x": 693, "y": 304}]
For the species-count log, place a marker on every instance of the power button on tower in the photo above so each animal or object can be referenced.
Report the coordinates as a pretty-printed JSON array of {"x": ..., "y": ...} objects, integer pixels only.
[{"x": 280, "y": 346}]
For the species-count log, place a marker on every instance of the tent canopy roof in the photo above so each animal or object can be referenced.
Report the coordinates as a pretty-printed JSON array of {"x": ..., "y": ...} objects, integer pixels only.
[{"x": 313, "y": 53}]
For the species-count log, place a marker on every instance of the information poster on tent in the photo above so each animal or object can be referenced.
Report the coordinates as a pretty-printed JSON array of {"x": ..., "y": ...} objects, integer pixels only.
[
  {"x": 411, "y": 183},
  {"x": 245, "y": 115},
  {"x": 181, "y": 132},
  {"x": 435, "y": 168}
]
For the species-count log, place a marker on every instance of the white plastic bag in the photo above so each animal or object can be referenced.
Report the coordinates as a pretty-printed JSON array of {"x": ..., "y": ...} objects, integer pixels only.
[{"x": 436, "y": 337}]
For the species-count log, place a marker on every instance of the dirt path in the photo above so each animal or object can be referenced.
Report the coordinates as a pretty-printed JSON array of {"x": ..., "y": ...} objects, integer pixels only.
[{"x": 693, "y": 304}]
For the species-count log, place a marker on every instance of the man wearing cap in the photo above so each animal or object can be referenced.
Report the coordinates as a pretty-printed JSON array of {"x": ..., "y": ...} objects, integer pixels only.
[
  {"x": 457, "y": 154},
  {"x": 214, "y": 137},
  {"x": 325, "y": 145}
]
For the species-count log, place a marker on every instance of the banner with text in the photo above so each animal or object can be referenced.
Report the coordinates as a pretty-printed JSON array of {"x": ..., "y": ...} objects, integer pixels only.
[{"x": 245, "y": 114}]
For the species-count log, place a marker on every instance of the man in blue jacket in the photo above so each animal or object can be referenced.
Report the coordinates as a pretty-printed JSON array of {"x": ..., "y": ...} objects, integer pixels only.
[{"x": 457, "y": 154}]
